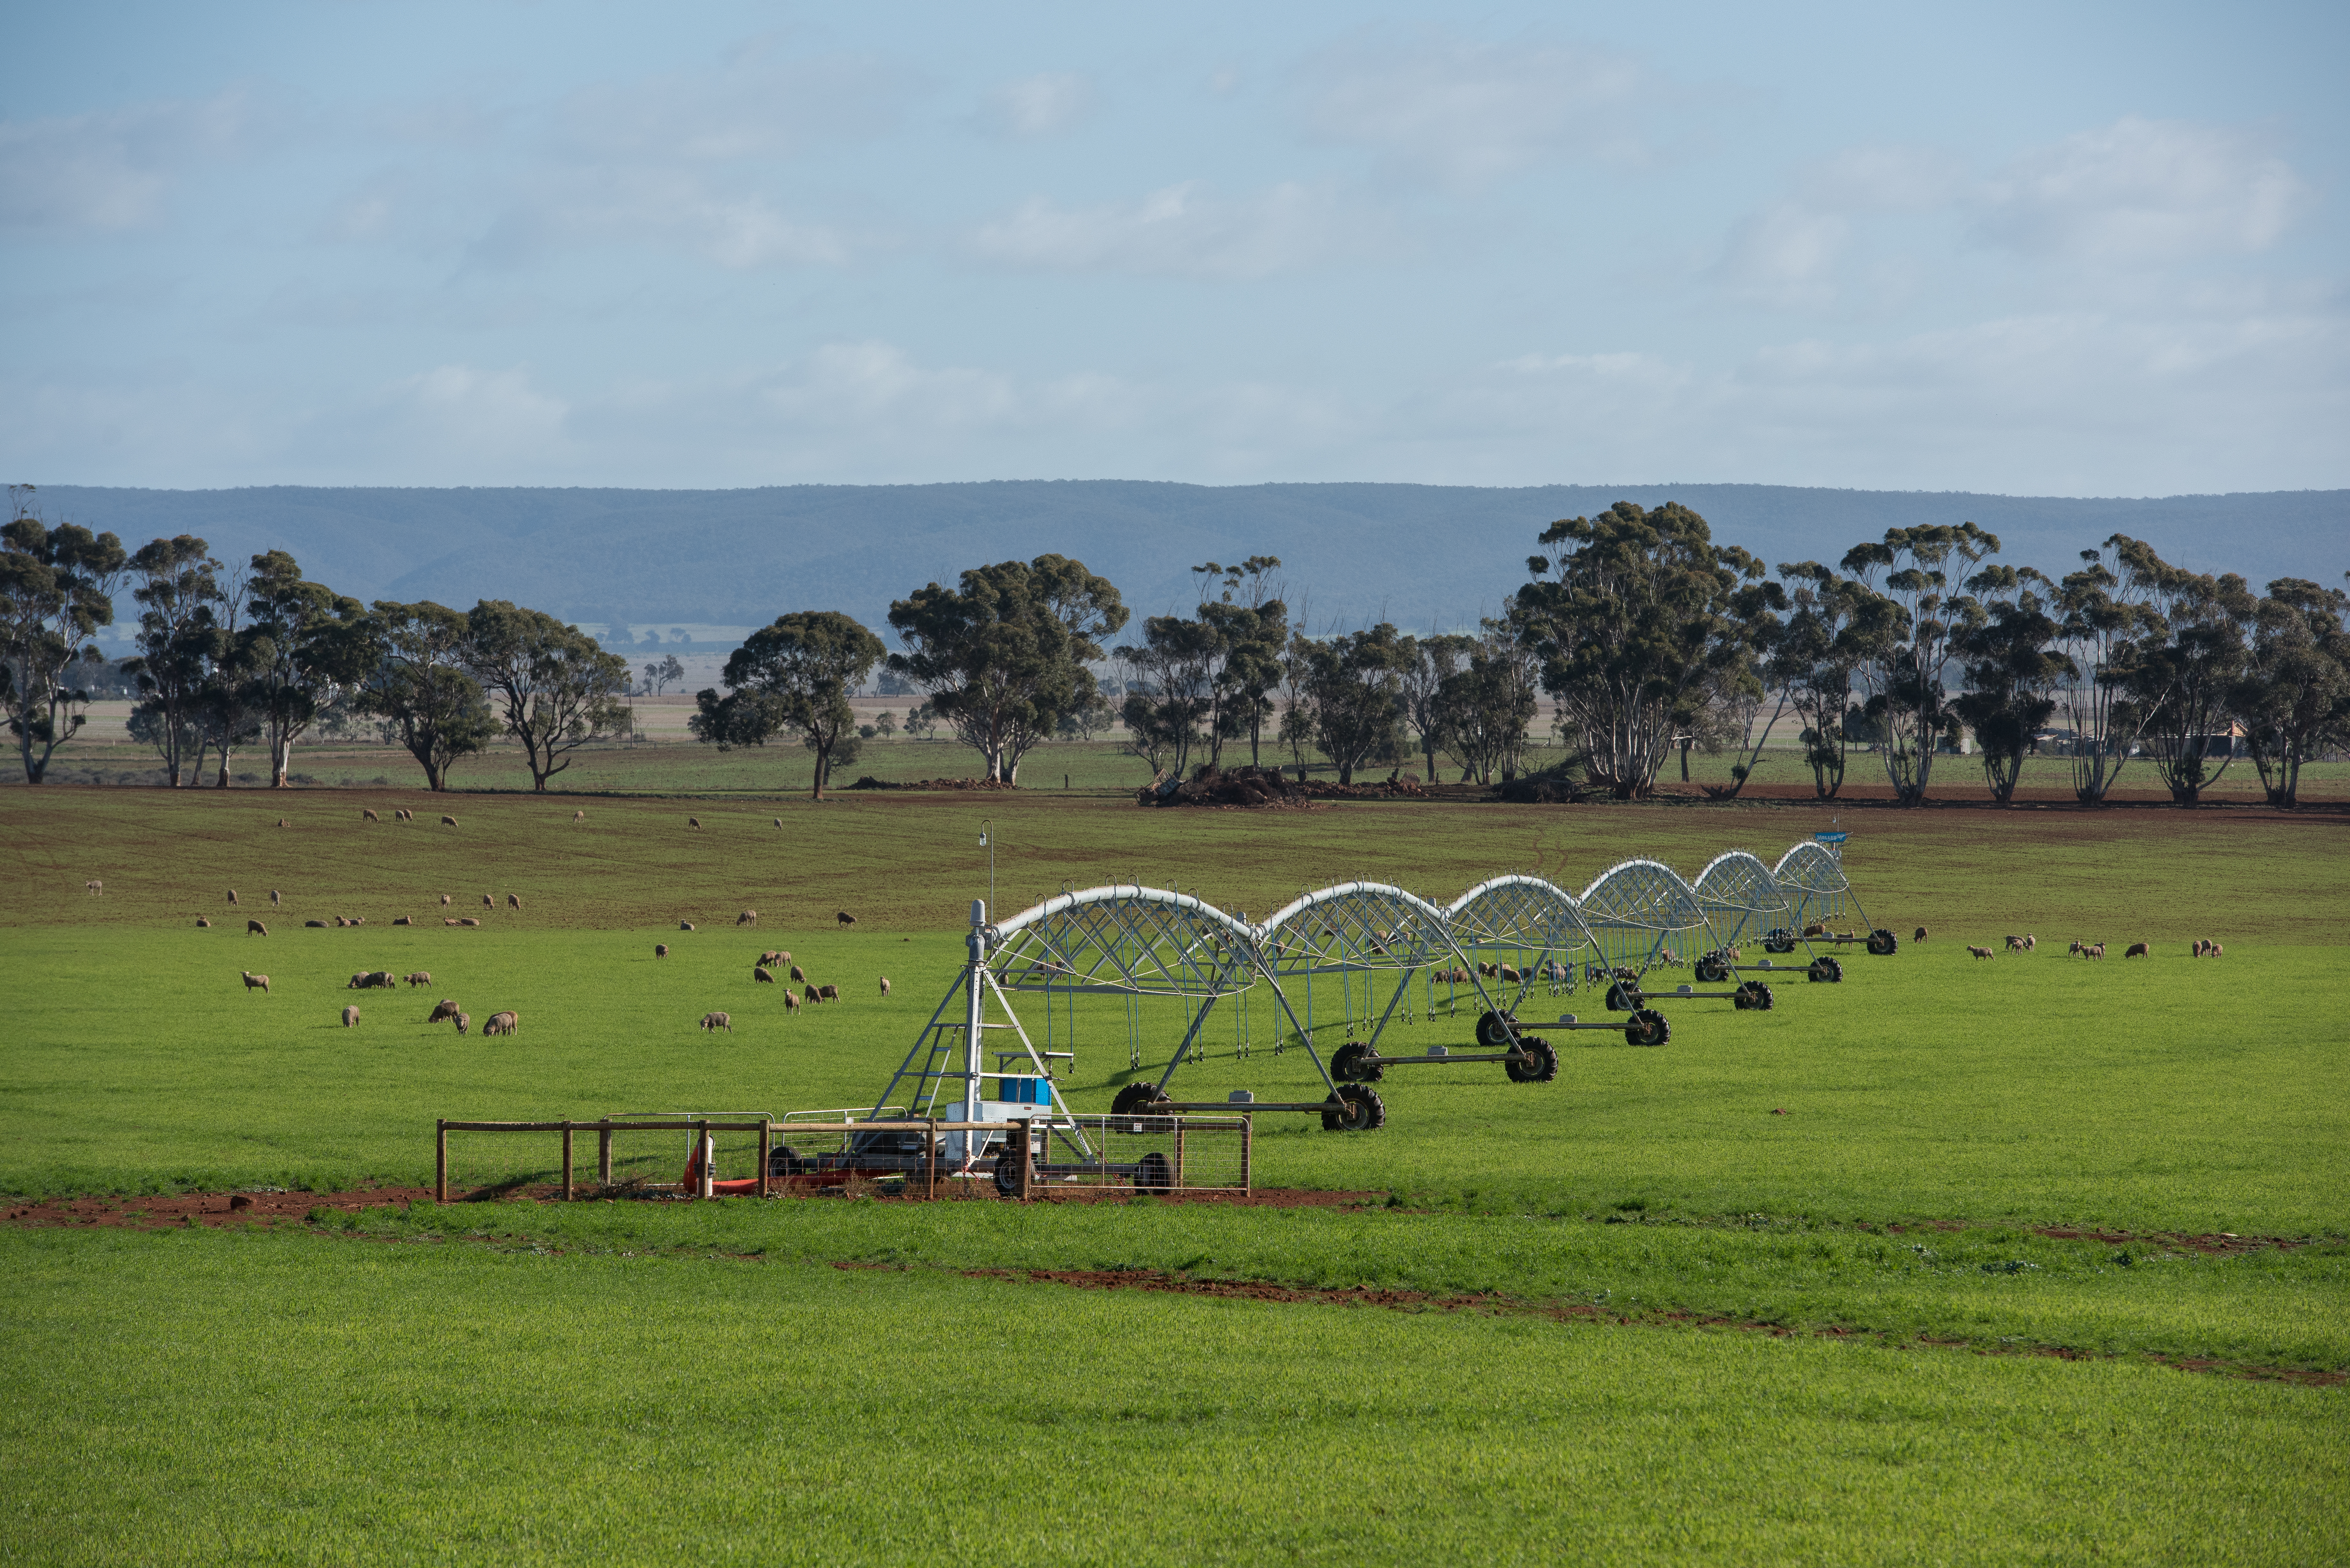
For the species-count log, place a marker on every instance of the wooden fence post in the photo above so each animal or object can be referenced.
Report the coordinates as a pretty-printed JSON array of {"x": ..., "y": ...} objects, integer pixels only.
[
  {"x": 1024, "y": 1150},
  {"x": 931, "y": 1160},
  {"x": 604, "y": 1154},
  {"x": 1179, "y": 1152},
  {"x": 1248, "y": 1126},
  {"x": 440, "y": 1161},
  {"x": 567, "y": 1162},
  {"x": 767, "y": 1141}
]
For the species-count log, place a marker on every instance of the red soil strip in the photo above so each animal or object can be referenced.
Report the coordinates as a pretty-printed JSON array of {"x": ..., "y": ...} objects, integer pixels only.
[
  {"x": 155, "y": 1212},
  {"x": 2224, "y": 1242},
  {"x": 1564, "y": 1312}
]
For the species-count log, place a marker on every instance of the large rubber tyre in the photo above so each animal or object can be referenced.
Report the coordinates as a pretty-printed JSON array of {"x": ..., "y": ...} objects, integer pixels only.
[
  {"x": 1622, "y": 997},
  {"x": 1711, "y": 970},
  {"x": 1755, "y": 997},
  {"x": 1542, "y": 1069},
  {"x": 1347, "y": 1065},
  {"x": 1493, "y": 1032},
  {"x": 1826, "y": 971},
  {"x": 1153, "y": 1173},
  {"x": 1132, "y": 1100},
  {"x": 1007, "y": 1171},
  {"x": 1882, "y": 942},
  {"x": 1355, "y": 1108},
  {"x": 1647, "y": 1027},
  {"x": 1782, "y": 940}
]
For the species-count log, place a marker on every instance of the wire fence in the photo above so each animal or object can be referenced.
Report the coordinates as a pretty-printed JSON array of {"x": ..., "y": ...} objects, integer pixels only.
[{"x": 816, "y": 1152}]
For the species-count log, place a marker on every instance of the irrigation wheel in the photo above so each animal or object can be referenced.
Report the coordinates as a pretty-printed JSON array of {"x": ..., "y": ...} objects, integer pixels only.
[
  {"x": 1882, "y": 941},
  {"x": 1347, "y": 1066},
  {"x": 1493, "y": 1032},
  {"x": 1623, "y": 996},
  {"x": 1132, "y": 1100},
  {"x": 1007, "y": 1172},
  {"x": 1782, "y": 940},
  {"x": 1754, "y": 997},
  {"x": 1711, "y": 970},
  {"x": 1826, "y": 971},
  {"x": 1542, "y": 1069},
  {"x": 1355, "y": 1108},
  {"x": 1647, "y": 1027},
  {"x": 1153, "y": 1172}
]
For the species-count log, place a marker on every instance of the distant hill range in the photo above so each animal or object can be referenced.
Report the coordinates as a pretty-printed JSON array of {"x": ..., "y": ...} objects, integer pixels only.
[{"x": 1417, "y": 555}]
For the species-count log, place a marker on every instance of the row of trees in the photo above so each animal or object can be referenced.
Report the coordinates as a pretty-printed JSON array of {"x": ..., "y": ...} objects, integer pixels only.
[{"x": 232, "y": 656}]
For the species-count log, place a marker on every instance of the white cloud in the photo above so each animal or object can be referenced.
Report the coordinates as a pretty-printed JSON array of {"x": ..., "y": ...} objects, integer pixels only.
[
  {"x": 1184, "y": 230},
  {"x": 1465, "y": 114},
  {"x": 111, "y": 171},
  {"x": 755, "y": 104},
  {"x": 1786, "y": 255},
  {"x": 1038, "y": 106},
  {"x": 2142, "y": 190},
  {"x": 477, "y": 415}
]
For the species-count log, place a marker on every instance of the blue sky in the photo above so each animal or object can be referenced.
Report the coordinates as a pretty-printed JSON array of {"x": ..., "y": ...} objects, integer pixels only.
[{"x": 2093, "y": 249}]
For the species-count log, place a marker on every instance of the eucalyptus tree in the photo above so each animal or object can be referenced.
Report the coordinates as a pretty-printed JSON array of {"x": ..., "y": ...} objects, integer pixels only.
[
  {"x": 1435, "y": 659},
  {"x": 1178, "y": 660},
  {"x": 1905, "y": 669},
  {"x": 2294, "y": 697},
  {"x": 2012, "y": 669},
  {"x": 1353, "y": 690},
  {"x": 557, "y": 688},
  {"x": 1003, "y": 655},
  {"x": 1628, "y": 624},
  {"x": 2103, "y": 610},
  {"x": 57, "y": 589},
  {"x": 1488, "y": 700},
  {"x": 2180, "y": 672},
  {"x": 415, "y": 677},
  {"x": 178, "y": 587},
  {"x": 793, "y": 676},
  {"x": 1249, "y": 622},
  {"x": 305, "y": 648}
]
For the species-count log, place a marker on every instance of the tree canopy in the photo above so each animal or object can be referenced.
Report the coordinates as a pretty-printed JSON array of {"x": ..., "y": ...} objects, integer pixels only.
[{"x": 797, "y": 675}]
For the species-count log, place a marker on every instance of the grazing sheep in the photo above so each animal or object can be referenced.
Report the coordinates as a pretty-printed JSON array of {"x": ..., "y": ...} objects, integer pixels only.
[
  {"x": 693, "y": 822},
  {"x": 2095, "y": 952},
  {"x": 1506, "y": 973},
  {"x": 812, "y": 996},
  {"x": 281, "y": 822},
  {"x": 232, "y": 895},
  {"x": 779, "y": 821},
  {"x": 340, "y": 922},
  {"x": 314, "y": 925},
  {"x": 661, "y": 949},
  {"x": 1920, "y": 936},
  {"x": 355, "y": 980},
  {"x": 747, "y": 917},
  {"x": 885, "y": 985},
  {"x": 578, "y": 816},
  {"x": 2030, "y": 941},
  {"x": 762, "y": 975},
  {"x": 2211, "y": 950},
  {"x": 1815, "y": 930},
  {"x": 2076, "y": 948},
  {"x": 255, "y": 981},
  {"x": 382, "y": 980},
  {"x": 203, "y": 924},
  {"x": 771, "y": 958},
  {"x": 350, "y": 1017},
  {"x": 488, "y": 902},
  {"x": 420, "y": 977},
  {"x": 828, "y": 992},
  {"x": 465, "y": 1021},
  {"x": 1979, "y": 953},
  {"x": 444, "y": 900},
  {"x": 255, "y": 928},
  {"x": 513, "y": 902},
  {"x": 405, "y": 814},
  {"x": 844, "y": 918},
  {"x": 2137, "y": 949},
  {"x": 791, "y": 999},
  {"x": 367, "y": 815},
  {"x": 443, "y": 1008},
  {"x": 275, "y": 899},
  {"x": 447, "y": 821},
  {"x": 402, "y": 921},
  {"x": 685, "y": 925},
  {"x": 2014, "y": 943},
  {"x": 469, "y": 920},
  {"x": 446, "y": 921},
  {"x": 799, "y": 975},
  {"x": 95, "y": 889},
  {"x": 712, "y": 1021},
  {"x": 501, "y": 1023}
]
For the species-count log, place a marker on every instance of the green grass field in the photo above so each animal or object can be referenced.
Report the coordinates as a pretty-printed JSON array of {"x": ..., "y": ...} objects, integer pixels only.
[{"x": 627, "y": 1381}]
